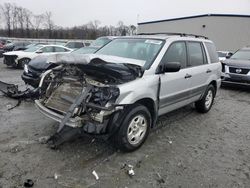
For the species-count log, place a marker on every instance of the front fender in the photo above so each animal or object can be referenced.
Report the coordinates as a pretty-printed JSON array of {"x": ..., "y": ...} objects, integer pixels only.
[{"x": 145, "y": 87}]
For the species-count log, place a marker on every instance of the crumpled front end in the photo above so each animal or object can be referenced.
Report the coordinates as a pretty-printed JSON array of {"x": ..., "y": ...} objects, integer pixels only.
[{"x": 75, "y": 99}]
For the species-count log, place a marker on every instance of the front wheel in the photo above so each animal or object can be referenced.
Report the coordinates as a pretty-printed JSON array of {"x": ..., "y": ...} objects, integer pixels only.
[
  {"x": 206, "y": 102},
  {"x": 134, "y": 129}
]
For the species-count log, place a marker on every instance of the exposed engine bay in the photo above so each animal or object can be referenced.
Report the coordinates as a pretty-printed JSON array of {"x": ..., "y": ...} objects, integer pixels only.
[{"x": 85, "y": 91}]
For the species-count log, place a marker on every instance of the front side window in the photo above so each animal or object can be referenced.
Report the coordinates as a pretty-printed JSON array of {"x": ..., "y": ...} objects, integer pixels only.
[
  {"x": 176, "y": 52},
  {"x": 195, "y": 53},
  {"x": 32, "y": 48}
]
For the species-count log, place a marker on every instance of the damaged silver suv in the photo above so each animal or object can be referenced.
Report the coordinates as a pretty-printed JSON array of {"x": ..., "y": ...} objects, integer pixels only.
[{"x": 119, "y": 91}]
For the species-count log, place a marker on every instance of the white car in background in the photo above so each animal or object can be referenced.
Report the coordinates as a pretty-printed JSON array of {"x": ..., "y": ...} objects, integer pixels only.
[{"x": 20, "y": 58}]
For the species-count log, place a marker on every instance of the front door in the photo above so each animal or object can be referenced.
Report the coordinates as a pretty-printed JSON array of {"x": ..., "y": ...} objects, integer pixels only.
[{"x": 174, "y": 88}]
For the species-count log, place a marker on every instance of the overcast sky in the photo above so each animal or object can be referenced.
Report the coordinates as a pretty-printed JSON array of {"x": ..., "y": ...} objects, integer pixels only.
[{"x": 109, "y": 12}]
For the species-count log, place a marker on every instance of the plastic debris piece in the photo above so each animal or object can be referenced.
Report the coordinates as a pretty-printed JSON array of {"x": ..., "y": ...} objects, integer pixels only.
[
  {"x": 130, "y": 166},
  {"x": 131, "y": 172},
  {"x": 28, "y": 183},
  {"x": 43, "y": 139},
  {"x": 96, "y": 175},
  {"x": 160, "y": 179},
  {"x": 56, "y": 176}
]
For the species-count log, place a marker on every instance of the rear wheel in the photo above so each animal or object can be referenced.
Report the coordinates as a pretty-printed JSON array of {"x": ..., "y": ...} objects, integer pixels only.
[
  {"x": 205, "y": 104},
  {"x": 134, "y": 129},
  {"x": 23, "y": 62}
]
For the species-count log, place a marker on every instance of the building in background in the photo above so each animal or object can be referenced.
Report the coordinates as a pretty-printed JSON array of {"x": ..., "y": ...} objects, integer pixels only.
[{"x": 228, "y": 32}]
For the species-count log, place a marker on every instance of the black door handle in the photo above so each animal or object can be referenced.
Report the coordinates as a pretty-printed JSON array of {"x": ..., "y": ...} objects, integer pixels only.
[
  {"x": 208, "y": 71},
  {"x": 188, "y": 76}
]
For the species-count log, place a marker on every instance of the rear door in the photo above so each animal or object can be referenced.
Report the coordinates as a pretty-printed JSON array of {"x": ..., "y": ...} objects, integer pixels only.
[
  {"x": 199, "y": 68},
  {"x": 174, "y": 88}
]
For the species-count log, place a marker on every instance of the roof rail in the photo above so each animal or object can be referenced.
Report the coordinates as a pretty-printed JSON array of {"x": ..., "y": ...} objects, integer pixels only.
[{"x": 180, "y": 34}]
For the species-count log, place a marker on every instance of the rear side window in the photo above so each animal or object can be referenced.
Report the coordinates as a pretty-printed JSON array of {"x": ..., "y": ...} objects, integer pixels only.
[
  {"x": 196, "y": 54},
  {"x": 47, "y": 49},
  {"x": 59, "y": 49},
  {"x": 176, "y": 53},
  {"x": 213, "y": 55}
]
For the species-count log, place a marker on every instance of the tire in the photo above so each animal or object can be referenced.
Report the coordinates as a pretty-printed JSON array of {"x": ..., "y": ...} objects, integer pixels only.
[
  {"x": 22, "y": 62},
  {"x": 134, "y": 129},
  {"x": 206, "y": 102}
]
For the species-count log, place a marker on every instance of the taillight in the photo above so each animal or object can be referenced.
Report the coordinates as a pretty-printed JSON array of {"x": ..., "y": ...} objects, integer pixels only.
[{"x": 1, "y": 45}]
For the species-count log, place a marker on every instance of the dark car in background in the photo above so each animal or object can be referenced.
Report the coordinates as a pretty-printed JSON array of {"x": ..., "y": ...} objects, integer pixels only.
[
  {"x": 236, "y": 69},
  {"x": 37, "y": 66},
  {"x": 2, "y": 43},
  {"x": 15, "y": 46}
]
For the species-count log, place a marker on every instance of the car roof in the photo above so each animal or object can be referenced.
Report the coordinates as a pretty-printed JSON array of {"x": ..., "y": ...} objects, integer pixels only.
[
  {"x": 166, "y": 37},
  {"x": 75, "y": 42},
  {"x": 53, "y": 45},
  {"x": 108, "y": 37}
]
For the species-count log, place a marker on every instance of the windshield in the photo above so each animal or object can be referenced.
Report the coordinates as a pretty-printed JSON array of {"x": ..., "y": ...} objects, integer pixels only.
[
  {"x": 241, "y": 54},
  {"x": 33, "y": 48},
  {"x": 139, "y": 49},
  {"x": 100, "y": 42},
  {"x": 85, "y": 50}
]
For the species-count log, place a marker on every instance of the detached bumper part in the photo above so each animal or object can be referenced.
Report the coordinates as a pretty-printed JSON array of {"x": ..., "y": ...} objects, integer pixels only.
[
  {"x": 11, "y": 90},
  {"x": 72, "y": 122},
  {"x": 88, "y": 126}
]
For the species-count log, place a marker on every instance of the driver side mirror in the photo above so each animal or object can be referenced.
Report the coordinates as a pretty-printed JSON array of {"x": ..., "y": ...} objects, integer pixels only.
[
  {"x": 39, "y": 51},
  {"x": 229, "y": 55},
  {"x": 169, "y": 67}
]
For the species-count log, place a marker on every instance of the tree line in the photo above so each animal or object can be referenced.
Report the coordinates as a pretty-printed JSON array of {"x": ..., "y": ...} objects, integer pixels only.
[{"x": 22, "y": 23}]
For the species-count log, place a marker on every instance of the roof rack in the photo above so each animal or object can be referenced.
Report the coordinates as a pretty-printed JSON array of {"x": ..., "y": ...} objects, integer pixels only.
[{"x": 180, "y": 34}]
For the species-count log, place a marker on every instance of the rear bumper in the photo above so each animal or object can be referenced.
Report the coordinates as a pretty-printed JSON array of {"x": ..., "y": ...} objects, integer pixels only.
[{"x": 10, "y": 61}]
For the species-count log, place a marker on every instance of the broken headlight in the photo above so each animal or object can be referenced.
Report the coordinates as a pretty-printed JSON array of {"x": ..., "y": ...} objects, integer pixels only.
[
  {"x": 26, "y": 68},
  {"x": 102, "y": 95}
]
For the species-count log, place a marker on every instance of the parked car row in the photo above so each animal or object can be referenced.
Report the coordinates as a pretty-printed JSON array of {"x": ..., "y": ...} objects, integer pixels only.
[{"x": 6, "y": 45}]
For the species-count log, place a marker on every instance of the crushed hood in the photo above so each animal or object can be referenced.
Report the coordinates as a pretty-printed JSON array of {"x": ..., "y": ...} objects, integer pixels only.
[
  {"x": 109, "y": 69},
  {"x": 86, "y": 58}
]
